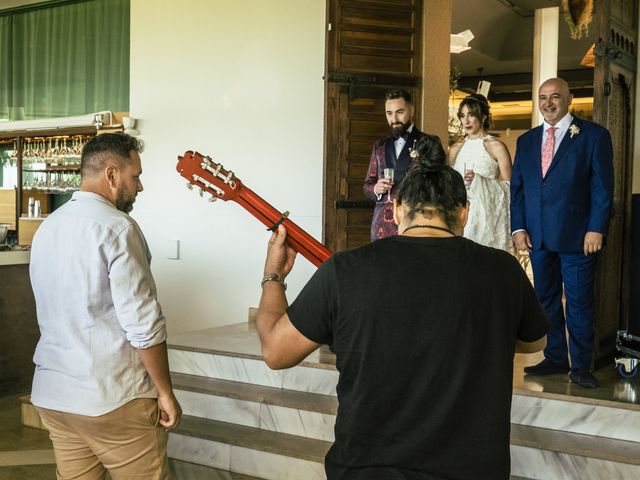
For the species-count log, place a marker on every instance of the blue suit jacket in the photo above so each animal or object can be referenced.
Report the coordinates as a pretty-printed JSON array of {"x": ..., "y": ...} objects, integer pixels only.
[{"x": 575, "y": 195}]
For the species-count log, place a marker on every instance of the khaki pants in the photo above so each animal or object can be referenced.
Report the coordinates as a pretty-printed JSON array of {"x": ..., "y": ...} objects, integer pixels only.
[{"x": 127, "y": 442}]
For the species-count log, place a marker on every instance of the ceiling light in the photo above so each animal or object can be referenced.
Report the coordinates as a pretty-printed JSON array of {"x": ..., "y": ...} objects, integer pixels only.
[{"x": 460, "y": 41}]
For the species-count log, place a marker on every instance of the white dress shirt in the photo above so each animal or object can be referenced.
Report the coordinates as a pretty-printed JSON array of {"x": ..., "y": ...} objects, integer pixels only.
[
  {"x": 399, "y": 142},
  {"x": 562, "y": 127},
  {"x": 96, "y": 304}
]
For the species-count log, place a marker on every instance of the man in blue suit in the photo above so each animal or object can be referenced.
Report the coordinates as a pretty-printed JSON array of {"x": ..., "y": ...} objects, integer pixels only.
[{"x": 561, "y": 195}]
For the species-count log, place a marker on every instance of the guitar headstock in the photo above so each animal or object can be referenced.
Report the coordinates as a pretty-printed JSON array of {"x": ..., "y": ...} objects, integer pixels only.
[{"x": 202, "y": 172}]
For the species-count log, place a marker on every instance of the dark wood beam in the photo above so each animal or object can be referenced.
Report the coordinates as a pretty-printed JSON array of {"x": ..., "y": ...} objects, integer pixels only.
[{"x": 517, "y": 86}]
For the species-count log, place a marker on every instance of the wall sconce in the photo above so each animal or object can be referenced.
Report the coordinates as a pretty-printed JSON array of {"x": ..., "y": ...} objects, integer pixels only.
[{"x": 129, "y": 124}]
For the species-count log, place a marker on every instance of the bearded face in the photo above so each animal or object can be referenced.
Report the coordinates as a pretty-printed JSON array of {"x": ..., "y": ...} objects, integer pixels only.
[
  {"x": 399, "y": 115},
  {"x": 129, "y": 184}
]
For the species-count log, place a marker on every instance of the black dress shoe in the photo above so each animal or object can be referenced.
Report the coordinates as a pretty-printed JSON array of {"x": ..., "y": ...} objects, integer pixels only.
[
  {"x": 584, "y": 378},
  {"x": 545, "y": 367}
]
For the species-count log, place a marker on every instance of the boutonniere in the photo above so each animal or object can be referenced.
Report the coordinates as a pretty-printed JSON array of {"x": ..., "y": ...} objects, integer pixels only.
[
  {"x": 574, "y": 130},
  {"x": 413, "y": 153}
]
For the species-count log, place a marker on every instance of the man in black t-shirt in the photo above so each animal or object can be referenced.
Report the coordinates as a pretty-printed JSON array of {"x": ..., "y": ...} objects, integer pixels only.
[{"x": 424, "y": 326}]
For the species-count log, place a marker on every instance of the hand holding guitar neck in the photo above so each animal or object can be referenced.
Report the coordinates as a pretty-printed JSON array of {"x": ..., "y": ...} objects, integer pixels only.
[{"x": 202, "y": 172}]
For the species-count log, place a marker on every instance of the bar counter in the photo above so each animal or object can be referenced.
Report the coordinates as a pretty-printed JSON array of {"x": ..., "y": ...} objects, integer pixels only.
[
  {"x": 15, "y": 257},
  {"x": 17, "y": 322}
]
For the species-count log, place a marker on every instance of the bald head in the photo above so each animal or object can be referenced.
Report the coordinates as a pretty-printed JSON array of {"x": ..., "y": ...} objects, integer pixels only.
[{"x": 554, "y": 99}]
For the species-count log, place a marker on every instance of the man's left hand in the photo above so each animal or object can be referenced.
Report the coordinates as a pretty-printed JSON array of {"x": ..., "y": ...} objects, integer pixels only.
[
  {"x": 592, "y": 242},
  {"x": 170, "y": 411},
  {"x": 280, "y": 256}
]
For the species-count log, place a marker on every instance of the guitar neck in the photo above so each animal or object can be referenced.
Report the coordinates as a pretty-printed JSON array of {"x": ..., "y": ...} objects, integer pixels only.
[{"x": 300, "y": 241}]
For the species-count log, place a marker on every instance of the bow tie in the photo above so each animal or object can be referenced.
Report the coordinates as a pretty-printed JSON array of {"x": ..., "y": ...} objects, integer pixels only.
[{"x": 404, "y": 136}]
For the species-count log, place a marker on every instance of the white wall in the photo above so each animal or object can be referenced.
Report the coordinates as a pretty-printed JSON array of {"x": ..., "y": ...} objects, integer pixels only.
[{"x": 241, "y": 81}]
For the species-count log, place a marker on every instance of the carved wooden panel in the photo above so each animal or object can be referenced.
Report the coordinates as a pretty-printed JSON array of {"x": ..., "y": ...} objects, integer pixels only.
[
  {"x": 624, "y": 12},
  {"x": 614, "y": 103},
  {"x": 611, "y": 284}
]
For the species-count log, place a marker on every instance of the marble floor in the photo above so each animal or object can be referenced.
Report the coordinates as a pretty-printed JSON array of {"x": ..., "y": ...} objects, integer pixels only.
[{"x": 612, "y": 389}]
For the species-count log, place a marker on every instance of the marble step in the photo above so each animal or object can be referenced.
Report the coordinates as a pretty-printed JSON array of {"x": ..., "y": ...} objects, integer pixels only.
[
  {"x": 274, "y": 456},
  {"x": 309, "y": 376},
  {"x": 536, "y": 453},
  {"x": 248, "y": 450},
  {"x": 578, "y": 415},
  {"x": 274, "y": 409},
  {"x": 553, "y": 411},
  {"x": 545, "y": 454}
]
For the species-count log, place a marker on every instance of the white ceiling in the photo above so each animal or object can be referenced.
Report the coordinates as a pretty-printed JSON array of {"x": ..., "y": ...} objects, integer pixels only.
[{"x": 503, "y": 40}]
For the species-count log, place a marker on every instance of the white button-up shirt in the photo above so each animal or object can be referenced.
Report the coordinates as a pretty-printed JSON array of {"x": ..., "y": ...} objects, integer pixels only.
[
  {"x": 562, "y": 127},
  {"x": 96, "y": 304}
]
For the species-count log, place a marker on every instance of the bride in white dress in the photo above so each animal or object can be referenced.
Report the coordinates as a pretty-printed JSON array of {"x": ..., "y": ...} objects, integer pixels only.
[{"x": 485, "y": 164}]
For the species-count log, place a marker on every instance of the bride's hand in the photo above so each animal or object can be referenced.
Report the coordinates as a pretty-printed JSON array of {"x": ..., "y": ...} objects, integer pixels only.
[{"x": 468, "y": 177}]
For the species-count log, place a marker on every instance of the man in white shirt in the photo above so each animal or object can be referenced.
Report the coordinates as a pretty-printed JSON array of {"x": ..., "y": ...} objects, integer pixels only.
[
  {"x": 101, "y": 383},
  {"x": 561, "y": 196}
]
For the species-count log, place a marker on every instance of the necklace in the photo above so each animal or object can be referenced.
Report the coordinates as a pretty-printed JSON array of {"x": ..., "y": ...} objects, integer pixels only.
[{"x": 434, "y": 227}]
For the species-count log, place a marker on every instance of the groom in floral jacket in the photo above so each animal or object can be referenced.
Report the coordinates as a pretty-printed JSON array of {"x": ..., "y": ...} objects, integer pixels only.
[{"x": 396, "y": 152}]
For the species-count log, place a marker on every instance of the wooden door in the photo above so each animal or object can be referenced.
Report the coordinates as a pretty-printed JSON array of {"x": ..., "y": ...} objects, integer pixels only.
[
  {"x": 614, "y": 100},
  {"x": 372, "y": 46}
]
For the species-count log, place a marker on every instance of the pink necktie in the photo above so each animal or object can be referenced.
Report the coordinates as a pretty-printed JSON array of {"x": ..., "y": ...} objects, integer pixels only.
[{"x": 547, "y": 149}]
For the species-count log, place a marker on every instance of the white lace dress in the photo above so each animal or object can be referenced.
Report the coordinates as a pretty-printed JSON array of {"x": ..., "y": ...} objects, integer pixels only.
[{"x": 488, "y": 222}]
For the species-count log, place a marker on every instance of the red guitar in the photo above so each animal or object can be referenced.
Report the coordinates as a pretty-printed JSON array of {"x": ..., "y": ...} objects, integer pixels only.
[{"x": 211, "y": 177}]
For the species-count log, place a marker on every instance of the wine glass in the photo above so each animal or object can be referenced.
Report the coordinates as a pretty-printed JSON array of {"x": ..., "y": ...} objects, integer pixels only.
[
  {"x": 388, "y": 175},
  {"x": 468, "y": 168}
]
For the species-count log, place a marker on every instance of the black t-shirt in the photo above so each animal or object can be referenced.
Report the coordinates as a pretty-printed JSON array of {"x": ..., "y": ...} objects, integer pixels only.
[{"x": 424, "y": 333}]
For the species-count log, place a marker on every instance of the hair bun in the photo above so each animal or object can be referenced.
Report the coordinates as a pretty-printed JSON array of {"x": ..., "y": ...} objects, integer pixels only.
[{"x": 431, "y": 155}]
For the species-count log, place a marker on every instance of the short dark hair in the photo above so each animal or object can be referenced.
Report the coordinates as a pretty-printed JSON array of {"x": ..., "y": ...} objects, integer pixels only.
[
  {"x": 478, "y": 106},
  {"x": 393, "y": 94},
  {"x": 103, "y": 147},
  {"x": 431, "y": 187}
]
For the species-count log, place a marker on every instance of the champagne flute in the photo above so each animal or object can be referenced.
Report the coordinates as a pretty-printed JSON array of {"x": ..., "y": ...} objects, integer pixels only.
[
  {"x": 468, "y": 168},
  {"x": 388, "y": 175}
]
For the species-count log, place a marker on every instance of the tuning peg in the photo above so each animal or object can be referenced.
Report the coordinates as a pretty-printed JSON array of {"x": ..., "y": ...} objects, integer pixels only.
[
  {"x": 213, "y": 198},
  {"x": 201, "y": 192},
  {"x": 189, "y": 186}
]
